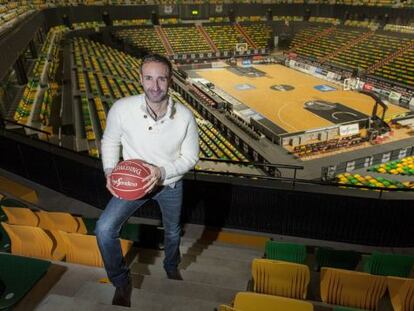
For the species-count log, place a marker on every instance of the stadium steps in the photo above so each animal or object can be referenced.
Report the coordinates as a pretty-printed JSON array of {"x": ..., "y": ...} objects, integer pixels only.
[
  {"x": 389, "y": 59},
  {"x": 164, "y": 39},
  {"x": 362, "y": 37},
  {"x": 245, "y": 35},
  {"x": 214, "y": 270},
  {"x": 63, "y": 303},
  {"x": 204, "y": 33},
  {"x": 311, "y": 39},
  {"x": 153, "y": 299}
]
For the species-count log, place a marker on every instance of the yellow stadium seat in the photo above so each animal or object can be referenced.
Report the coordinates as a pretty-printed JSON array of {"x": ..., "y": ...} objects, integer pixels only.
[
  {"x": 401, "y": 293},
  {"x": 83, "y": 249},
  {"x": 21, "y": 216},
  {"x": 280, "y": 278},
  {"x": 31, "y": 242},
  {"x": 248, "y": 301},
  {"x": 57, "y": 221},
  {"x": 351, "y": 288},
  {"x": 82, "y": 227}
]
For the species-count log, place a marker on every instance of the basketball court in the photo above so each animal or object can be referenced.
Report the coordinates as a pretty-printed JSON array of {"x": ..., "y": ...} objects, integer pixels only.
[{"x": 293, "y": 101}]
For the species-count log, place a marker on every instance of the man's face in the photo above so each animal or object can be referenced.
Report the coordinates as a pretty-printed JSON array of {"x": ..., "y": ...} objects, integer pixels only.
[{"x": 155, "y": 80}]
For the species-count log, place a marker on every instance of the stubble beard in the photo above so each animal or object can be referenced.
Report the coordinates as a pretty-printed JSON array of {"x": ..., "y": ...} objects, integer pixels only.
[{"x": 157, "y": 98}]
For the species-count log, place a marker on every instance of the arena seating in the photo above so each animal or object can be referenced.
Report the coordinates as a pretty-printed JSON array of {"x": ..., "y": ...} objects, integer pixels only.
[
  {"x": 328, "y": 43},
  {"x": 213, "y": 145},
  {"x": 334, "y": 258},
  {"x": 397, "y": 265},
  {"x": 330, "y": 145},
  {"x": 142, "y": 38},
  {"x": 400, "y": 69},
  {"x": 280, "y": 278},
  {"x": 178, "y": 38},
  {"x": 370, "y": 51},
  {"x": 380, "y": 182},
  {"x": 51, "y": 235},
  {"x": 401, "y": 292},
  {"x": 225, "y": 37},
  {"x": 292, "y": 252},
  {"x": 103, "y": 75},
  {"x": 248, "y": 301},
  {"x": 306, "y": 35},
  {"x": 404, "y": 166},
  {"x": 260, "y": 33},
  {"x": 19, "y": 275},
  {"x": 351, "y": 288},
  {"x": 48, "y": 59}
]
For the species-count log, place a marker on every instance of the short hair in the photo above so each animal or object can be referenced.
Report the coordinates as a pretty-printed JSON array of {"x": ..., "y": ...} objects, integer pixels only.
[{"x": 157, "y": 58}]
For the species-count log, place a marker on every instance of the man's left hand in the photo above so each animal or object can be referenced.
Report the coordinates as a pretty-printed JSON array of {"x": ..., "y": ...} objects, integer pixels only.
[{"x": 153, "y": 178}]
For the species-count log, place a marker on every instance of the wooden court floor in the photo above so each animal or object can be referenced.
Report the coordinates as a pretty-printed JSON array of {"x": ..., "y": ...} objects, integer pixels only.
[{"x": 286, "y": 108}]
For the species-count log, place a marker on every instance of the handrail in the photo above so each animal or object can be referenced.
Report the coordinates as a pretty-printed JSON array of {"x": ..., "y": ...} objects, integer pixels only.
[
  {"x": 248, "y": 163},
  {"x": 3, "y": 121}
]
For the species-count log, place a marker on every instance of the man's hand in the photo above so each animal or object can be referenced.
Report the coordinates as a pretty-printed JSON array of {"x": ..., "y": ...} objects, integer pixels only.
[
  {"x": 153, "y": 178},
  {"x": 109, "y": 187}
]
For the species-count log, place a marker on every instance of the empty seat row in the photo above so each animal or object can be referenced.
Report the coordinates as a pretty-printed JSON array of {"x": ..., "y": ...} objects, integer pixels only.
[
  {"x": 51, "y": 235},
  {"x": 178, "y": 38},
  {"x": 346, "y": 288},
  {"x": 377, "y": 263}
]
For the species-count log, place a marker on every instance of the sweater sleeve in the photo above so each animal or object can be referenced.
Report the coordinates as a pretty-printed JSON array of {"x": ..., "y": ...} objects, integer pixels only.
[
  {"x": 111, "y": 140},
  {"x": 188, "y": 153}
]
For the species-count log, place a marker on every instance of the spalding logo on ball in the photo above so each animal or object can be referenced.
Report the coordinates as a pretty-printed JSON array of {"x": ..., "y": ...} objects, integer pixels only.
[{"x": 126, "y": 179}]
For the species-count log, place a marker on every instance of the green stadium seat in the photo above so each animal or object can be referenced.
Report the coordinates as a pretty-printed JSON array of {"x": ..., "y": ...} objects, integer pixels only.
[
  {"x": 389, "y": 264},
  {"x": 341, "y": 259},
  {"x": 19, "y": 275},
  {"x": 291, "y": 252}
]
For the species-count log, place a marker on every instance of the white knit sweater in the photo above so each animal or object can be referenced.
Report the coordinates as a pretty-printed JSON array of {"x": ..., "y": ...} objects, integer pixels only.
[{"x": 170, "y": 143}]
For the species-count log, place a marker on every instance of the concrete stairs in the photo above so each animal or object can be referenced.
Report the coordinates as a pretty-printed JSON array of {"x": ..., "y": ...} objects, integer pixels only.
[{"x": 213, "y": 273}]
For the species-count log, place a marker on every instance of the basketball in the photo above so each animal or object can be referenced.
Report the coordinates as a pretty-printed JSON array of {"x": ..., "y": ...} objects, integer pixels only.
[{"x": 127, "y": 179}]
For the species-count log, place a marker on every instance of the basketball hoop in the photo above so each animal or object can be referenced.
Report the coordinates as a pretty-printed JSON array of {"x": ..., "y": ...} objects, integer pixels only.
[
  {"x": 241, "y": 47},
  {"x": 350, "y": 84}
]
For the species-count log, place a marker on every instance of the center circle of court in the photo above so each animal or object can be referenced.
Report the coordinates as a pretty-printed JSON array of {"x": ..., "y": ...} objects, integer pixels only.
[{"x": 282, "y": 87}]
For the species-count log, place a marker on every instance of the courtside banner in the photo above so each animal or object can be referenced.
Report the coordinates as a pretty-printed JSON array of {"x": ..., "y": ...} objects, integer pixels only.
[
  {"x": 367, "y": 87},
  {"x": 350, "y": 129},
  {"x": 394, "y": 97}
]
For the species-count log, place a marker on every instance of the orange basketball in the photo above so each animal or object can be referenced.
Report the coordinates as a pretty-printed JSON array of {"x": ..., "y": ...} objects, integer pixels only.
[{"x": 126, "y": 179}]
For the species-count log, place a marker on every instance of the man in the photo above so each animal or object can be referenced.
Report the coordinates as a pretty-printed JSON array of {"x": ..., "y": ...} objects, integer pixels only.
[{"x": 153, "y": 128}]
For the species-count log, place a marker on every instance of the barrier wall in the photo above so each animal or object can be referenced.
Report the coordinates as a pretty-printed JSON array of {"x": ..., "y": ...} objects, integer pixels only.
[{"x": 278, "y": 207}]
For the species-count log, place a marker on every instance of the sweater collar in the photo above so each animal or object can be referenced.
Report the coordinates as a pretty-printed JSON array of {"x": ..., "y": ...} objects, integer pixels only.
[{"x": 171, "y": 109}]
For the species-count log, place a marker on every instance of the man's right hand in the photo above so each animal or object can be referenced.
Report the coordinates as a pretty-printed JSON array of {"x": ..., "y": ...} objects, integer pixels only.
[{"x": 109, "y": 187}]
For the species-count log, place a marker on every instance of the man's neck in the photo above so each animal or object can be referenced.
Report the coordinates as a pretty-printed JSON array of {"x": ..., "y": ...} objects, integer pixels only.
[{"x": 158, "y": 108}]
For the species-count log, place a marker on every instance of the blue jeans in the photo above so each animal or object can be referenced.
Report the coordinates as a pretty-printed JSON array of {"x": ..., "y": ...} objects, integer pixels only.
[{"x": 117, "y": 213}]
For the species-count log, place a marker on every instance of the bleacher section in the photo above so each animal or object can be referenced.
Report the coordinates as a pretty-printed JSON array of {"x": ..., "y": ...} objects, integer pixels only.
[
  {"x": 368, "y": 52},
  {"x": 142, "y": 39},
  {"x": 400, "y": 69},
  {"x": 213, "y": 145},
  {"x": 52, "y": 235},
  {"x": 225, "y": 37},
  {"x": 306, "y": 35},
  {"x": 260, "y": 33},
  {"x": 101, "y": 75},
  {"x": 41, "y": 88},
  {"x": 326, "y": 44},
  {"x": 370, "y": 181},
  {"x": 404, "y": 166},
  {"x": 180, "y": 43},
  {"x": 10, "y": 11}
]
